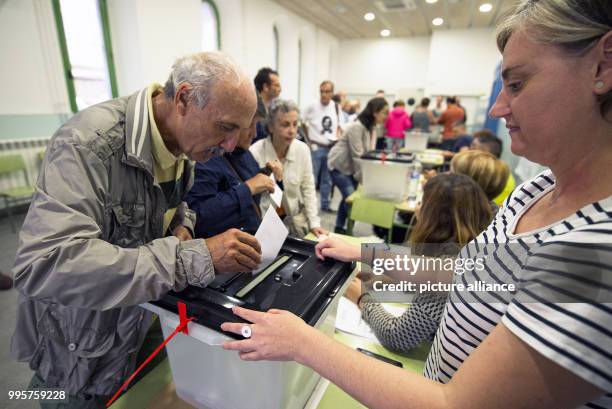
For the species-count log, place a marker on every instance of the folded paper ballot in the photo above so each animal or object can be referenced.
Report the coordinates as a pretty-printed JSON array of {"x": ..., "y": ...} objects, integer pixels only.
[
  {"x": 348, "y": 318},
  {"x": 271, "y": 235},
  {"x": 277, "y": 195}
]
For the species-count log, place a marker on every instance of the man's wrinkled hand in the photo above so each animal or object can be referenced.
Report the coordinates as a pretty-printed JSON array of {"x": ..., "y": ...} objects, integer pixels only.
[
  {"x": 277, "y": 168},
  {"x": 260, "y": 183},
  {"x": 182, "y": 233},
  {"x": 318, "y": 231},
  {"x": 234, "y": 251}
]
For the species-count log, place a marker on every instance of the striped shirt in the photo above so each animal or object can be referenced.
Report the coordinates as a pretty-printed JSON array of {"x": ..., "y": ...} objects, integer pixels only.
[{"x": 562, "y": 305}]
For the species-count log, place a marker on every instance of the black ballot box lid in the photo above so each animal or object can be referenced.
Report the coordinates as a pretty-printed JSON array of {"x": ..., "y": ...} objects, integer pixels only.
[{"x": 296, "y": 281}]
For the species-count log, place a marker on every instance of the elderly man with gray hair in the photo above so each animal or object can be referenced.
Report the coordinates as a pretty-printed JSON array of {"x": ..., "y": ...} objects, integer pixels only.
[{"x": 108, "y": 228}]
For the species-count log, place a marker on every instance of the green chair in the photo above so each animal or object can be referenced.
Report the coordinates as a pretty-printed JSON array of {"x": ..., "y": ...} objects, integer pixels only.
[
  {"x": 11, "y": 164},
  {"x": 372, "y": 211}
]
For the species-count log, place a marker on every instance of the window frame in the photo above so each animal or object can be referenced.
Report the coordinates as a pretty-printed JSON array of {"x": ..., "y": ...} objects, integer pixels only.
[
  {"x": 108, "y": 51},
  {"x": 300, "y": 70},
  {"x": 218, "y": 18},
  {"x": 276, "y": 47}
]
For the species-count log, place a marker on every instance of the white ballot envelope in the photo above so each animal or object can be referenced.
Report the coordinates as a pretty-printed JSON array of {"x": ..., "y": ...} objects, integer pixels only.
[
  {"x": 277, "y": 195},
  {"x": 271, "y": 235}
]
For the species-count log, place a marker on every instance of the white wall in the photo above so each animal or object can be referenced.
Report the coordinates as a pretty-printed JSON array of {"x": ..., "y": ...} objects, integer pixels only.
[
  {"x": 450, "y": 62},
  {"x": 391, "y": 64},
  {"x": 148, "y": 35},
  {"x": 231, "y": 15},
  {"x": 31, "y": 69},
  {"x": 462, "y": 62},
  {"x": 252, "y": 22}
]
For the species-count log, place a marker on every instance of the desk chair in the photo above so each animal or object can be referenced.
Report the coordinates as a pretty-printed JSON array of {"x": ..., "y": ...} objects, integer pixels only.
[
  {"x": 12, "y": 164},
  {"x": 372, "y": 211}
]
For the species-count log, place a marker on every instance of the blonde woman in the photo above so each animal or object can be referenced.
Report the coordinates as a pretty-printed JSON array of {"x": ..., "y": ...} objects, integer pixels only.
[{"x": 486, "y": 170}]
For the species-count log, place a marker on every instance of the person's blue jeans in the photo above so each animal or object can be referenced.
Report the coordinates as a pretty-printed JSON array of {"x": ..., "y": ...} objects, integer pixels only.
[
  {"x": 346, "y": 184},
  {"x": 447, "y": 144},
  {"x": 321, "y": 174},
  {"x": 394, "y": 144}
]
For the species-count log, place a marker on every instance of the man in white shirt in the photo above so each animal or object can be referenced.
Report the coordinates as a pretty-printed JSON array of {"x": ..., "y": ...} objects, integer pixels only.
[{"x": 322, "y": 121}]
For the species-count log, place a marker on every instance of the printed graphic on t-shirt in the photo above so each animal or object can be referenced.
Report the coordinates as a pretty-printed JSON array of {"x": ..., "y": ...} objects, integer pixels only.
[{"x": 326, "y": 124}]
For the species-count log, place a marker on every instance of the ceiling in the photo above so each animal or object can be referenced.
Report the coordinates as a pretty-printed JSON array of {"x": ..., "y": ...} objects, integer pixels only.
[{"x": 405, "y": 18}]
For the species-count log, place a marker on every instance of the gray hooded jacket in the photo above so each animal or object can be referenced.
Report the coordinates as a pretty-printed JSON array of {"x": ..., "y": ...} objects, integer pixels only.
[{"x": 92, "y": 248}]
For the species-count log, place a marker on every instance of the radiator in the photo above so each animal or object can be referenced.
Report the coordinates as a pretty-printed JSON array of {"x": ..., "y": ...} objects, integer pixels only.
[{"x": 30, "y": 150}]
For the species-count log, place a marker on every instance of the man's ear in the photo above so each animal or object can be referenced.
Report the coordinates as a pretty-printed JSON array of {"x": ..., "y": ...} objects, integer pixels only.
[
  {"x": 603, "y": 78},
  {"x": 182, "y": 96}
]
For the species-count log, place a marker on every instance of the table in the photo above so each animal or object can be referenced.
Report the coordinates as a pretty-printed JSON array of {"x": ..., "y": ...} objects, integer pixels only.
[
  {"x": 429, "y": 158},
  {"x": 335, "y": 398},
  {"x": 403, "y": 206}
]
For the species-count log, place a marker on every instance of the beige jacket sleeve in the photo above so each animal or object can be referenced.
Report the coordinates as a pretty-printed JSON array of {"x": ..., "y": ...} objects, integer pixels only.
[
  {"x": 63, "y": 256},
  {"x": 357, "y": 138}
]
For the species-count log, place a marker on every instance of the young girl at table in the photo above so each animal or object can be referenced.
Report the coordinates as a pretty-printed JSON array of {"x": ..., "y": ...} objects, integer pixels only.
[{"x": 454, "y": 210}]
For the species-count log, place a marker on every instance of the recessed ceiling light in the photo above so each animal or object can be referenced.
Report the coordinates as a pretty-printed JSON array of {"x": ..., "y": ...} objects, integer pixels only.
[
  {"x": 438, "y": 21},
  {"x": 485, "y": 7},
  {"x": 431, "y": 1},
  {"x": 369, "y": 16},
  {"x": 385, "y": 33}
]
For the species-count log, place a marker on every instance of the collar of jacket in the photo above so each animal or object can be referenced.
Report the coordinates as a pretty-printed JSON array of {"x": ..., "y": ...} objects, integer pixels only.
[
  {"x": 271, "y": 152},
  {"x": 138, "y": 132}
]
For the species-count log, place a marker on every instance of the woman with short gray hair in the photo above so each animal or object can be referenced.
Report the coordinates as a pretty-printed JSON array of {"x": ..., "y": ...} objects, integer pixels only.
[
  {"x": 547, "y": 343},
  {"x": 299, "y": 199}
]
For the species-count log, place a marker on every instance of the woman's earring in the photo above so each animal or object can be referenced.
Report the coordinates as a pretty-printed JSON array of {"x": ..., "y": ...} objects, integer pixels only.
[{"x": 599, "y": 84}]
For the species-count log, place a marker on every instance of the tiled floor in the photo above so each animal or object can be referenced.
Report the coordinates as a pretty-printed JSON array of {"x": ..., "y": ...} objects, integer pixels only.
[{"x": 14, "y": 375}]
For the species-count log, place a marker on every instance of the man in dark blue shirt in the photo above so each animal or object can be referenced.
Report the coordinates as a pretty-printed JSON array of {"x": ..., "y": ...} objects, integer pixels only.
[
  {"x": 227, "y": 189},
  {"x": 267, "y": 85}
]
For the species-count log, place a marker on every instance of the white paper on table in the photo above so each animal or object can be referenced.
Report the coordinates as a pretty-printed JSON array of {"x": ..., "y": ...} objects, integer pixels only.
[
  {"x": 277, "y": 195},
  {"x": 271, "y": 235},
  {"x": 348, "y": 318}
]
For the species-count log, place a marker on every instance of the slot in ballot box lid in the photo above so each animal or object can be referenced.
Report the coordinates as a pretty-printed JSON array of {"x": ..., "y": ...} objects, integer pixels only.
[
  {"x": 387, "y": 156},
  {"x": 296, "y": 281}
]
